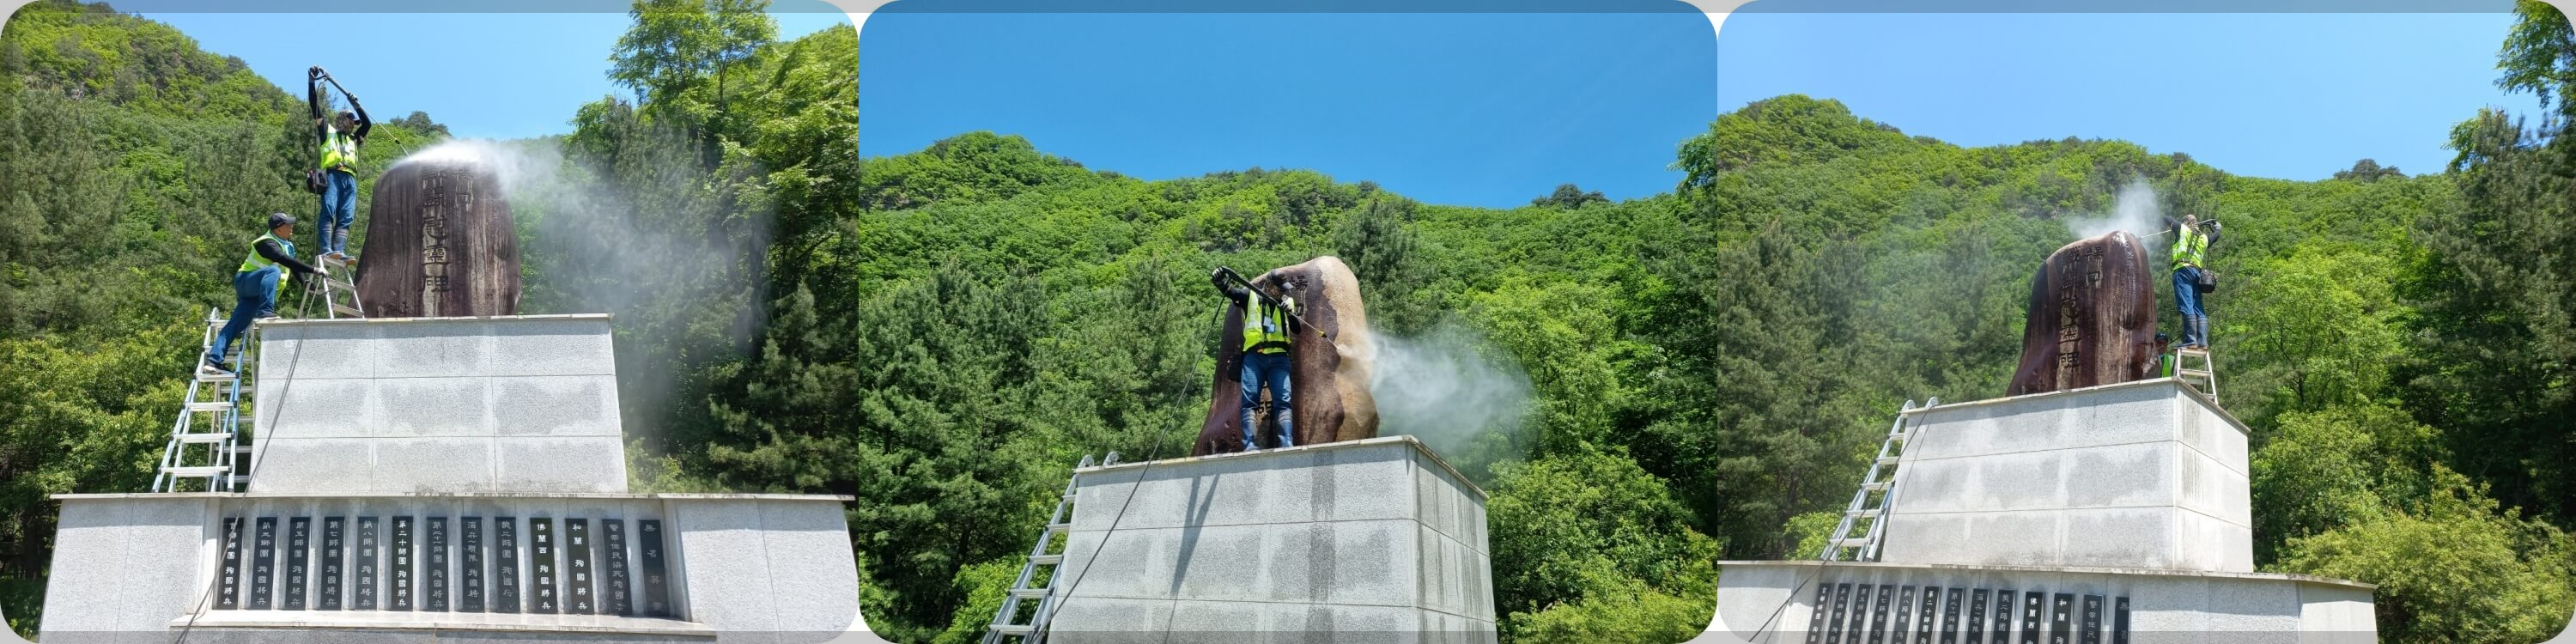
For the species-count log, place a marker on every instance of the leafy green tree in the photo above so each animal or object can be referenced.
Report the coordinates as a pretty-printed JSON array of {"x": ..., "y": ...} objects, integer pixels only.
[
  {"x": 1587, "y": 532},
  {"x": 2452, "y": 568},
  {"x": 1569, "y": 197},
  {"x": 2338, "y": 467}
]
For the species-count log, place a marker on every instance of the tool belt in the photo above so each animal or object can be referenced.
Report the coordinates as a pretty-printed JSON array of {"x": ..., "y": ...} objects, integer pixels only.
[
  {"x": 313, "y": 181},
  {"x": 2208, "y": 280}
]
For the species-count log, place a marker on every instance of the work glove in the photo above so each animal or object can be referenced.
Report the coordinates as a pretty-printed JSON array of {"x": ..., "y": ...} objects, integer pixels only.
[
  {"x": 321, "y": 270},
  {"x": 1217, "y": 277}
]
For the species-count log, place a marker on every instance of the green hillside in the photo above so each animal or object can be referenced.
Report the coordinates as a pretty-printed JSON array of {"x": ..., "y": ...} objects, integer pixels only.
[{"x": 941, "y": 334}]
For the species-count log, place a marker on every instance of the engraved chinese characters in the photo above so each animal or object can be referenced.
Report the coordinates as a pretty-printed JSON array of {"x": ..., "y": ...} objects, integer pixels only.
[
  {"x": 440, "y": 242},
  {"x": 462, "y": 564},
  {"x": 1844, "y": 613},
  {"x": 2092, "y": 318}
]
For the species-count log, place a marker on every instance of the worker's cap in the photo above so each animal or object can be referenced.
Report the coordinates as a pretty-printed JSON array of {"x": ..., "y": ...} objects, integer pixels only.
[
  {"x": 348, "y": 114},
  {"x": 276, "y": 219}
]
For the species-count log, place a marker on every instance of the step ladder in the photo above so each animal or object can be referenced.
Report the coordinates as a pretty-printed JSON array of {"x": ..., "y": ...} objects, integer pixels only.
[
  {"x": 1059, "y": 523},
  {"x": 2204, "y": 378},
  {"x": 339, "y": 295},
  {"x": 1876, "y": 495},
  {"x": 212, "y": 448}
]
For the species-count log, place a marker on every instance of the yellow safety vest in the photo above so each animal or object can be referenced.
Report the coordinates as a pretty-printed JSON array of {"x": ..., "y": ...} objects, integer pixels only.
[
  {"x": 256, "y": 262},
  {"x": 339, "y": 150},
  {"x": 1266, "y": 329},
  {"x": 2188, "y": 245}
]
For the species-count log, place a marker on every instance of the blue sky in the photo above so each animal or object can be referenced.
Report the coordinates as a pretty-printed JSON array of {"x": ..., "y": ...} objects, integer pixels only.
[
  {"x": 487, "y": 75},
  {"x": 2290, "y": 96},
  {"x": 1494, "y": 109}
]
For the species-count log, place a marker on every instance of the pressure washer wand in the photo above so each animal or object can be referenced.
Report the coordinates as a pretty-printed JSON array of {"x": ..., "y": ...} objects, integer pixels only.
[{"x": 1247, "y": 287}]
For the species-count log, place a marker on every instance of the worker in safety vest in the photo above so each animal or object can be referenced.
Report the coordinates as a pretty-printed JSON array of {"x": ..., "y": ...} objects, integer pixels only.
[
  {"x": 1265, "y": 352},
  {"x": 2191, "y": 245},
  {"x": 257, "y": 284},
  {"x": 340, "y": 138}
]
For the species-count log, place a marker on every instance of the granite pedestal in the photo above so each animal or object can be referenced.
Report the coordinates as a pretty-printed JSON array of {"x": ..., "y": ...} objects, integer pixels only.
[{"x": 1374, "y": 540}]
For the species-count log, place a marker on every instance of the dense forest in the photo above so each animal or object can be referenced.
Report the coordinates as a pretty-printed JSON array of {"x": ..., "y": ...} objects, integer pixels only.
[{"x": 942, "y": 333}]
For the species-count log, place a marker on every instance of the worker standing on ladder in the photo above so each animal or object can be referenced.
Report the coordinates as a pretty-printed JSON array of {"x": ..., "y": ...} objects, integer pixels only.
[
  {"x": 257, "y": 284},
  {"x": 1266, "y": 333},
  {"x": 340, "y": 138},
  {"x": 2190, "y": 281}
]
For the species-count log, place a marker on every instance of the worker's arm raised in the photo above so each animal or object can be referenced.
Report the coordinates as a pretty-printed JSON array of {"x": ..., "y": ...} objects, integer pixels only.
[
  {"x": 364, "y": 123},
  {"x": 270, "y": 250}
]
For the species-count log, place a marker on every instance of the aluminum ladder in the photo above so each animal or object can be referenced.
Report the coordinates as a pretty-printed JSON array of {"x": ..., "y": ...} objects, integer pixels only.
[
  {"x": 2204, "y": 378},
  {"x": 335, "y": 286},
  {"x": 1882, "y": 482},
  {"x": 224, "y": 463},
  {"x": 1059, "y": 523}
]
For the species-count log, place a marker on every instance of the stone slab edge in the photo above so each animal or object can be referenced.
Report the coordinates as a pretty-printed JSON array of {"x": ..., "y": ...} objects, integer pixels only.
[
  {"x": 2142, "y": 572},
  {"x": 1407, "y": 439}
]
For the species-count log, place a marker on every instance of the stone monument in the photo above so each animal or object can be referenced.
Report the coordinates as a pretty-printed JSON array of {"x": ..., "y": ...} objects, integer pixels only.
[
  {"x": 444, "y": 480},
  {"x": 2091, "y": 516},
  {"x": 2092, "y": 318},
  {"x": 440, "y": 240},
  {"x": 1328, "y": 374}
]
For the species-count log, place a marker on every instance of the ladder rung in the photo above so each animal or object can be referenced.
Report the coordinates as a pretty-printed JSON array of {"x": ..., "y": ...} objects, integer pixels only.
[
  {"x": 197, "y": 470},
  {"x": 1890, "y": 460},
  {"x": 1010, "y": 629},
  {"x": 218, "y": 406},
  {"x": 1028, "y": 592},
  {"x": 1881, "y": 485},
  {"x": 1060, "y": 527},
  {"x": 203, "y": 376},
  {"x": 1872, "y": 512},
  {"x": 343, "y": 310},
  {"x": 1046, "y": 560},
  {"x": 214, "y": 437},
  {"x": 345, "y": 286}
]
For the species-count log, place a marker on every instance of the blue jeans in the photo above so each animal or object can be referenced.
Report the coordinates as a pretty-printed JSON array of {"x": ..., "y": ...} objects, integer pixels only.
[
  {"x": 339, "y": 211},
  {"x": 2186, "y": 284},
  {"x": 1272, "y": 369},
  {"x": 254, "y": 297}
]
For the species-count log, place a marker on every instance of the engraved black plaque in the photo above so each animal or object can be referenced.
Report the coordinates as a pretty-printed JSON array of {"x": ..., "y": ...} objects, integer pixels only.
[
  {"x": 1923, "y": 626},
  {"x": 469, "y": 565},
  {"x": 1950, "y": 617},
  {"x": 2092, "y": 621},
  {"x": 433, "y": 558},
  {"x": 228, "y": 594},
  {"x": 398, "y": 566},
  {"x": 2034, "y": 608},
  {"x": 1815, "y": 617},
  {"x": 1878, "y": 613},
  {"x": 2120, "y": 621},
  {"x": 1904, "y": 615},
  {"x": 577, "y": 578},
  {"x": 1977, "y": 616},
  {"x": 299, "y": 560},
  {"x": 335, "y": 561},
  {"x": 1858, "y": 629},
  {"x": 505, "y": 565},
  {"x": 2061, "y": 619},
  {"x": 369, "y": 544},
  {"x": 263, "y": 564},
  {"x": 657, "y": 580},
  {"x": 543, "y": 596},
  {"x": 615, "y": 576},
  {"x": 1842, "y": 603},
  {"x": 2007, "y": 604}
]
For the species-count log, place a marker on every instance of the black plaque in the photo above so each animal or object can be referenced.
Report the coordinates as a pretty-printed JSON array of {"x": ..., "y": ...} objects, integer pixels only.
[
  {"x": 398, "y": 566},
  {"x": 369, "y": 546},
  {"x": 543, "y": 597},
  {"x": 263, "y": 564},
  {"x": 1950, "y": 617},
  {"x": 505, "y": 565},
  {"x": 228, "y": 587},
  {"x": 1858, "y": 629},
  {"x": 2061, "y": 619},
  {"x": 1878, "y": 613},
  {"x": 2007, "y": 604},
  {"x": 615, "y": 577},
  {"x": 657, "y": 580},
  {"x": 2092, "y": 619},
  {"x": 1842, "y": 604},
  {"x": 578, "y": 577},
  {"x": 1904, "y": 615},
  {"x": 1977, "y": 616},
  {"x": 2120, "y": 621},
  {"x": 1815, "y": 613},
  {"x": 2034, "y": 609},
  {"x": 299, "y": 560},
  {"x": 469, "y": 565},
  {"x": 433, "y": 558},
  {"x": 335, "y": 561},
  {"x": 1923, "y": 626}
]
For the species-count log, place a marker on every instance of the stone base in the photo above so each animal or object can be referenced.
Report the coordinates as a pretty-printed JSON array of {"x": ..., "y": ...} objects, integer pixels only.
[
  {"x": 1776, "y": 602},
  {"x": 1369, "y": 540},
  {"x": 736, "y": 568}
]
